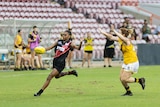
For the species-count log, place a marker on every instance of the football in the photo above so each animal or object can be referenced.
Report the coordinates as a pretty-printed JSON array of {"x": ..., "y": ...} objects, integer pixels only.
[{"x": 40, "y": 50}]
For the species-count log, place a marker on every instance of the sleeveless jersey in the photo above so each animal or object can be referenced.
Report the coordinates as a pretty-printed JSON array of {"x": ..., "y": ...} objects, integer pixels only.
[
  {"x": 19, "y": 40},
  {"x": 109, "y": 43},
  {"x": 88, "y": 47},
  {"x": 62, "y": 49},
  {"x": 129, "y": 53},
  {"x": 36, "y": 42}
]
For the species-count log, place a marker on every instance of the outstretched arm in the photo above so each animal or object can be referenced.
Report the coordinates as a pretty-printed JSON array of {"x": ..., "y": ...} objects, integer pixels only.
[
  {"x": 109, "y": 36},
  {"x": 52, "y": 46},
  {"x": 124, "y": 39},
  {"x": 80, "y": 45}
]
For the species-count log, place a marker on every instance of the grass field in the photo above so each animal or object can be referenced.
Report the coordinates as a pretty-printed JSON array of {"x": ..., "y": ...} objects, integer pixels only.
[{"x": 95, "y": 87}]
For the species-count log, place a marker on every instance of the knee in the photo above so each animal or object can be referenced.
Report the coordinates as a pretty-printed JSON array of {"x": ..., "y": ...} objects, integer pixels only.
[
  {"x": 85, "y": 58},
  {"x": 50, "y": 76},
  {"x": 122, "y": 78},
  {"x": 57, "y": 76}
]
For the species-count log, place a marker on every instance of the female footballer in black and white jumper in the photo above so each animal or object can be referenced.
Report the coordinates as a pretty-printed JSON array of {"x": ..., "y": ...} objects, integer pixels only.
[{"x": 62, "y": 49}]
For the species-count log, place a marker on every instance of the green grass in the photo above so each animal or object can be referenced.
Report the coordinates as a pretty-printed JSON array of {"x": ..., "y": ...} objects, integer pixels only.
[{"x": 95, "y": 87}]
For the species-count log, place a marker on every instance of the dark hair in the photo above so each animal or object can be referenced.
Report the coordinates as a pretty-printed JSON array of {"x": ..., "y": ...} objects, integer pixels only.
[
  {"x": 126, "y": 31},
  {"x": 69, "y": 32},
  {"x": 125, "y": 17},
  {"x": 19, "y": 30},
  {"x": 35, "y": 32},
  {"x": 34, "y": 27}
]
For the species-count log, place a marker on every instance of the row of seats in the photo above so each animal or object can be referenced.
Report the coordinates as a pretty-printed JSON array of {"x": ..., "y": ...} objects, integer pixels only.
[
  {"x": 98, "y": 10},
  {"x": 35, "y": 1},
  {"x": 108, "y": 4},
  {"x": 93, "y": 6},
  {"x": 33, "y": 9},
  {"x": 28, "y": 4},
  {"x": 154, "y": 39}
]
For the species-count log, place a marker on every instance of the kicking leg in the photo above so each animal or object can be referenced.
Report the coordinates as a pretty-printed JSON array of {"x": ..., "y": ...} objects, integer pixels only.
[
  {"x": 47, "y": 82},
  {"x": 73, "y": 72}
]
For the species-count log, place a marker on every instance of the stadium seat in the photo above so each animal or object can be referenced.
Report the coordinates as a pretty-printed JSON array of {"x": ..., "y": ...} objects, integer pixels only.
[{"x": 150, "y": 37}]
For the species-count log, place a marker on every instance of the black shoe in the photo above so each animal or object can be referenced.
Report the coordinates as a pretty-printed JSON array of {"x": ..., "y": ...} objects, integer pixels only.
[
  {"x": 34, "y": 69},
  {"x": 128, "y": 93},
  {"x": 142, "y": 82},
  {"x": 15, "y": 69},
  {"x": 19, "y": 69},
  {"x": 30, "y": 68},
  {"x": 74, "y": 72},
  {"x": 38, "y": 93},
  {"x": 109, "y": 66},
  {"x": 104, "y": 66},
  {"x": 43, "y": 69},
  {"x": 25, "y": 68}
]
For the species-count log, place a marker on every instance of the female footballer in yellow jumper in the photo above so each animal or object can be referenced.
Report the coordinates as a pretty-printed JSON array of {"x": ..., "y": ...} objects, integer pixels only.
[
  {"x": 18, "y": 44},
  {"x": 88, "y": 49},
  {"x": 130, "y": 59}
]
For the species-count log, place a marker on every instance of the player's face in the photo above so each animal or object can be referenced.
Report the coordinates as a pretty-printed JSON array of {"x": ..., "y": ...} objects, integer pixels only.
[
  {"x": 21, "y": 32},
  {"x": 35, "y": 29},
  {"x": 66, "y": 36}
]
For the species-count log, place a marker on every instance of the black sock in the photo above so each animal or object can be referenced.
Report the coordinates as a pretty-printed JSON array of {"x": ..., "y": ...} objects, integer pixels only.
[
  {"x": 128, "y": 89},
  {"x": 40, "y": 91},
  {"x": 136, "y": 80}
]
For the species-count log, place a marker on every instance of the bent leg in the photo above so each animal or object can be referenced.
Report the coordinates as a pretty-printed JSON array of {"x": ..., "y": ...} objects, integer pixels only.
[
  {"x": 73, "y": 72},
  {"x": 47, "y": 82},
  {"x": 49, "y": 78},
  {"x": 125, "y": 78}
]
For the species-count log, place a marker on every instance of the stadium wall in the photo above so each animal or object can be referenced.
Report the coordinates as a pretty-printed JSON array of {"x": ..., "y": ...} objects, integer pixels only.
[
  {"x": 138, "y": 14},
  {"x": 148, "y": 12},
  {"x": 148, "y": 54},
  {"x": 154, "y": 9}
]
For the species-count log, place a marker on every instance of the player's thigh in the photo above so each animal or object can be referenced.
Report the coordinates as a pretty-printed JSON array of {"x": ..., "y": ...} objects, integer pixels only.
[
  {"x": 125, "y": 75},
  {"x": 89, "y": 55},
  {"x": 54, "y": 72},
  {"x": 85, "y": 55}
]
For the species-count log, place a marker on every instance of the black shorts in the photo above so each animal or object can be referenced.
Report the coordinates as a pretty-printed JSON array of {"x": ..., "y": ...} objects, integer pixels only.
[
  {"x": 59, "y": 64},
  {"x": 90, "y": 52},
  {"x": 108, "y": 53}
]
